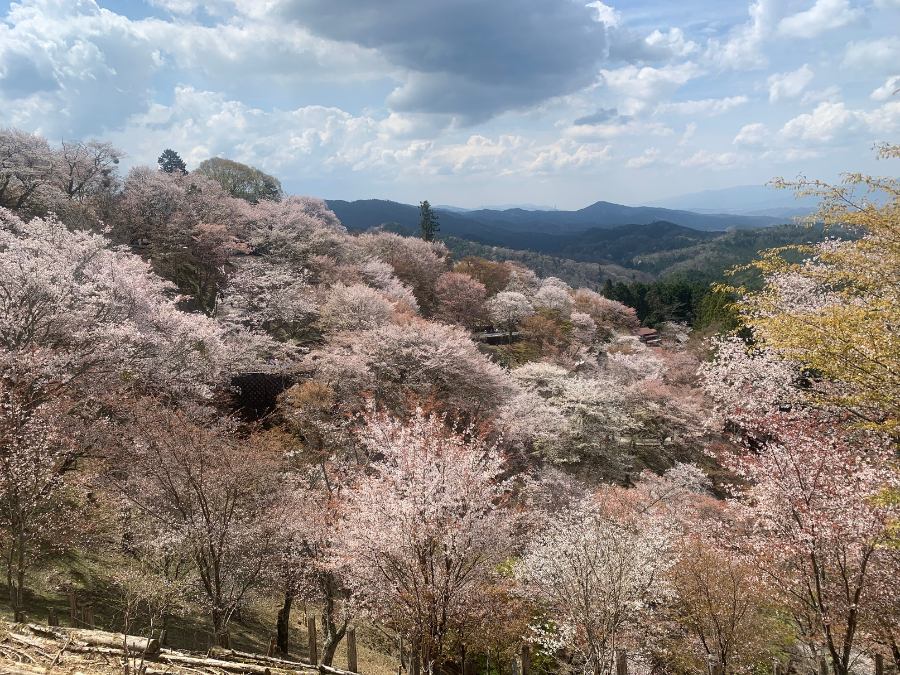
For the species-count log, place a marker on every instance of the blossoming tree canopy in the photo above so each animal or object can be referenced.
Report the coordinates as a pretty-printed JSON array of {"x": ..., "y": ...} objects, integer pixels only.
[
  {"x": 427, "y": 530},
  {"x": 101, "y": 310},
  {"x": 837, "y": 312}
]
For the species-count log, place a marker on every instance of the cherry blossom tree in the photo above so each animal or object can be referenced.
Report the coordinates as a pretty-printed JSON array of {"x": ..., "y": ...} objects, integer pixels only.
[
  {"x": 609, "y": 316},
  {"x": 297, "y": 229},
  {"x": 460, "y": 299},
  {"x": 508, "y": 308},
  {"x": 269, "y": 298},
  {"x": 599, "y": 567},
  {"x": 426, "y": 531},
  {"x": 193, "y": 477},
  {"x": 554, "y": 297},
  {"x": 835, "y": 311},
  {"x": 311, "y": 542},
  {"x": 350, "y": 308},
  {"x": 84, "y": 169},
  {"x": 416, "y": 262},
  {"x": 39, "y": 446},
  {"x": 718, "y": 603},
  {"x": 522, "y": 279},
  {"x": 101, "y": 311},
  {"x": 816, "y": 495},
  {"x": 493, "y": 275},
  {"x": 26, "y": 171},
  {"x": 381, "y": 276},
  {"x": 584, "y": 329},
  {"x": 186, "y": 224},
  {"x": 593, "y": 407},
  {"x": 430, "y": 361}
]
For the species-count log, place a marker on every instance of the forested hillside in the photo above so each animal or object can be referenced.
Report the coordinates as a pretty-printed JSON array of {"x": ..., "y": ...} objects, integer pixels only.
[{"x": 220, "y": 411}]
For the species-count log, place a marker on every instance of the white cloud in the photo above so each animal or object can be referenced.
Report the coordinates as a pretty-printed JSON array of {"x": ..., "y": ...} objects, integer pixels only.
[
  {"x": 830, "y": 94},
  {"x": 742, "y": 49},
  {"x": 709, "y": 106},
  {"x": 824, "y": 15},
  {"x": 673, "y": 42},
  {"x": 886, "y": 90},
  {"x": 649, "y": 156},
  {"x": 830, "y": 120},
  {"x": 512, "y": 155},
  {"x": 887, "y": 4},
  {"x": 884, "y": 119},
  {"x": 689, "y": 132},
  {"x": 712, "y": 160},
  {"x": 752, "y": 134},
  {"x": 789, "y": 85},
  {"x": 315, "y": 140},
  {"x": 821, "y": 125},
  {"x": 606, "y": 14},
  {"x": 617, "y": 129},
  {"x": 880, "y": 54},
  {"x": 306, "y": 140},
  {"x": 642, "y": 87}
]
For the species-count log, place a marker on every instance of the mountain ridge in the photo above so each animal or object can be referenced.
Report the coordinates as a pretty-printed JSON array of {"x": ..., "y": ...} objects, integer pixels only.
[{"x": 521, "y": 229}]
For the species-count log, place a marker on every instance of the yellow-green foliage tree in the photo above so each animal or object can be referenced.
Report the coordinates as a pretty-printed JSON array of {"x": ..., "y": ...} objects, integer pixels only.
[{"x": 838, "y": 311}]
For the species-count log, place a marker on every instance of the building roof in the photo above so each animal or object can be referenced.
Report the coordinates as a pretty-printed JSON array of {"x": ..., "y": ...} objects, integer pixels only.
[{"x": 646, "y": 332}]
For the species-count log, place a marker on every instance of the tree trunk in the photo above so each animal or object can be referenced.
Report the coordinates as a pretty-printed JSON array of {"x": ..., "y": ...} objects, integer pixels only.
[
  {"x": 17, "y": 591},
  {"x": 284, "y": 616},
  {"x": 895, "y": 654},
  {"x": 332, "y": 634},
  {"x": 217, "y": 620}
]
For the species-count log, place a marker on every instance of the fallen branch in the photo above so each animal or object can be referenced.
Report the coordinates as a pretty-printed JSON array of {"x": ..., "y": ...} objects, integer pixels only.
[
  {"x": 99, "y": 638},
  {"x": 59, "y": 653},
  {"x": 328, "y": 670},
  {"x": 230, "y": 654},
  {"x": 31, "y": 643},
  {"x": 228, "y": 666}
]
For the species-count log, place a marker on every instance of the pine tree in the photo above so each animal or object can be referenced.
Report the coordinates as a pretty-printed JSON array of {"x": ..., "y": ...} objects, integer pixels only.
[
  {"x": 608, "y": 291},
  {"x": 429, "y": 221},
  {"x": 170, "y": 162}
]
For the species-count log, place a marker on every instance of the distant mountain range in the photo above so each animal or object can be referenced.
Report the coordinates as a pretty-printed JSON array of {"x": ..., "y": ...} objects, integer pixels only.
[
  {"x": 648, "y": 240},
  {"x": 546, "y": 231},
  {"x": 747, "y": 200},
  {"x": 497, "y": 207}
]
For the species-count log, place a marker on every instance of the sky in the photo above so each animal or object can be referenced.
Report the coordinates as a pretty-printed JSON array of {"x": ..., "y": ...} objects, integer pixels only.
[{"x": 467, "y": 102}]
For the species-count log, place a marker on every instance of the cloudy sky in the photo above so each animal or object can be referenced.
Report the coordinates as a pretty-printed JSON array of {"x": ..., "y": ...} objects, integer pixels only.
[{"x": 467, "y": 102}]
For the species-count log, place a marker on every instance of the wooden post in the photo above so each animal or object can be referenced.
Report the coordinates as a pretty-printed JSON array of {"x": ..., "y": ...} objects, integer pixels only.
[
  {"x": 621, "y": 662},
  {"x": 526, "y": 659},
  {"x": 311, "y": 632},
  {"x": 272, "y": 647},
  {"x": 21, "y": 617},
  {"x": 87, "y": 615},
  {"x": 879, "y": 664},
  {"x": 53, "y": 619},
  {"x": 351, "y": 650},
  {"x": 163, "y": 636},
  {"x": 823, "y": 666},
  {"x": 223, "y": 640},
  {"x": 73, "y": 608}
]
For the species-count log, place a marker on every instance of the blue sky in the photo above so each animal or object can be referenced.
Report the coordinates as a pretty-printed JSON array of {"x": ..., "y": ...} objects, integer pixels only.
[{"x": 467, "y": 102}]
